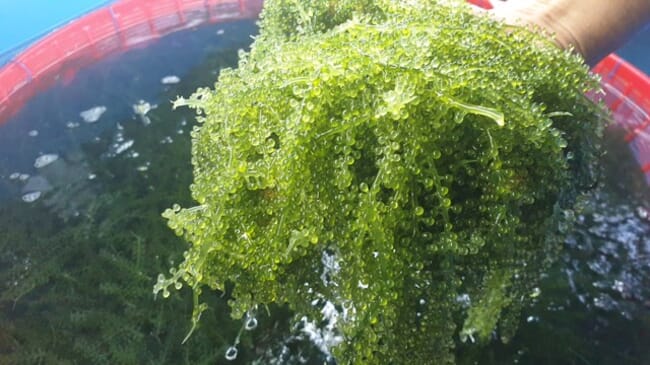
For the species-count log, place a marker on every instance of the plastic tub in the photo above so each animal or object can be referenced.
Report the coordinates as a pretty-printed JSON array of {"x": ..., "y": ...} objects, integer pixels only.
[{"x": 128, "y": 25}]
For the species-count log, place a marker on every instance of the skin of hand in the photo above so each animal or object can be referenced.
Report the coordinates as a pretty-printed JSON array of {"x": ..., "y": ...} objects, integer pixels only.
[{"x": 593, "y": 28}]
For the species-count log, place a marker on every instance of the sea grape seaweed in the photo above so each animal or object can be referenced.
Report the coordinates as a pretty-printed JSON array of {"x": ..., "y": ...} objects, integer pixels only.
[{"x": 402, "y": 170}]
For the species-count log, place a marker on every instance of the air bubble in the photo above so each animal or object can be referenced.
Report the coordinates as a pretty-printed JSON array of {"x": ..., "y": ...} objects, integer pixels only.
[
  {"x": 459, "y": 117},
  {"x": 363, "y": 187},
  {"x": 178, "y": 285},
  {"x": 165, "y": 293},
  {"x": 419, "y": 210},
  {"x": 231, "y": 353}
]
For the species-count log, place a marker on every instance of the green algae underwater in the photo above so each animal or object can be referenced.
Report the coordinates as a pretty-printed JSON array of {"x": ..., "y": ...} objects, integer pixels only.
[{"x": 463, "y": 267}]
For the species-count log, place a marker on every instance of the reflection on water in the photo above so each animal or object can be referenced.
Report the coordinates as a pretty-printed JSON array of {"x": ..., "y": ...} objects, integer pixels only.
[{"x": 87, "y": 168}]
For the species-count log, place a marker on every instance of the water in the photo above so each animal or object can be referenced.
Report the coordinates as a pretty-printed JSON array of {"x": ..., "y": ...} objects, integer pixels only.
[
  {"x": 637, "y": 50},
  {"x": 87, "y": 167},
  {"x": 80, "y": 201},
  {"x": 594, "y": 304}
]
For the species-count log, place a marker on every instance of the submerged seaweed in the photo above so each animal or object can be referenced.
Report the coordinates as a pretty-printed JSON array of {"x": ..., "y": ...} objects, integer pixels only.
[{"x": 77, "y": 264}]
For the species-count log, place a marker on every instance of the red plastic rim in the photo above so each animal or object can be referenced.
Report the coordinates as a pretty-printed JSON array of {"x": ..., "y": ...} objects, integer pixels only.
[
  {"x": 127, "y": 23},
  {"x": 112, "y": 29}
]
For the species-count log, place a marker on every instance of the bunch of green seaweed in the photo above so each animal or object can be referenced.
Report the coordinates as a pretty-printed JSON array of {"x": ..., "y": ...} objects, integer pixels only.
[{"x": 399, "y": 173}]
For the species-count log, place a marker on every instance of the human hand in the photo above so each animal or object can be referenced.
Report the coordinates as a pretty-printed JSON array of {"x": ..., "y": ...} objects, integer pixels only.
[{"x": 592, "y": 28}]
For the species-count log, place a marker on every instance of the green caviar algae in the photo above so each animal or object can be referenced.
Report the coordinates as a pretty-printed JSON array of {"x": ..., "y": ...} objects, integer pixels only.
[{"x": 411, "y": 163}]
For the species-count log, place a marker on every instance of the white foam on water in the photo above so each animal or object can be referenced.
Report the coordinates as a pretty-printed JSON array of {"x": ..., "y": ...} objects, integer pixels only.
[
  {"x": 331, "y": 268},
  {"x": 327, "y": 337},
  {"x": 93, "y": 114},
  {"x": 142, "y": 107},
  {"x": 123, "y": 147},
  {"x": 170, "y": 80},
  {"x": 45, "y": 160},
  {"x": 31, "y": 197}
]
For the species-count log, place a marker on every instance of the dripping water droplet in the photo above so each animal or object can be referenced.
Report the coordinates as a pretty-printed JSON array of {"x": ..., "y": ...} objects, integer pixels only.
[{"x": 231, "y": 353}]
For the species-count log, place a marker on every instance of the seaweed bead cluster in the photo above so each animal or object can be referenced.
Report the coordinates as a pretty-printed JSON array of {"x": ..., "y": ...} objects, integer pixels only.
[{"x": 407, "y": 162}]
